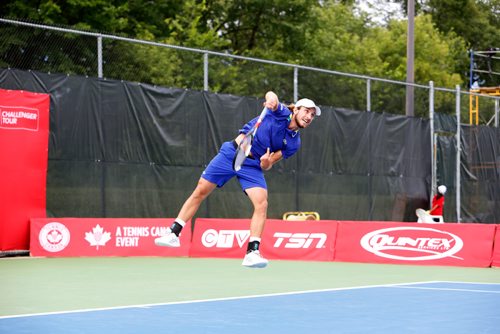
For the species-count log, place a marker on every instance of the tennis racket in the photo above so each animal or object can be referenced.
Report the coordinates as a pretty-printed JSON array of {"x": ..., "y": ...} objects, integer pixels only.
[{"x": 245, "y": 145}]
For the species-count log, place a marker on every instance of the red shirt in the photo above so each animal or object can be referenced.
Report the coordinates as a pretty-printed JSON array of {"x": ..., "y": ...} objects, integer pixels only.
[{"x": 438, "y": 202}]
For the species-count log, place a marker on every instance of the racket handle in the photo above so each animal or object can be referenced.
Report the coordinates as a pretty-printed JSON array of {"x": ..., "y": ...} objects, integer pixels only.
[
  {"x": 259, "y": 120},
  {"x": 262, "y": 115}
]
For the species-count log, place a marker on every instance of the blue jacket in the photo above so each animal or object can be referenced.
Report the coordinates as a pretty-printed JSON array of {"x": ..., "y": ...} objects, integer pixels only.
[{"x": 273, "y": 132}]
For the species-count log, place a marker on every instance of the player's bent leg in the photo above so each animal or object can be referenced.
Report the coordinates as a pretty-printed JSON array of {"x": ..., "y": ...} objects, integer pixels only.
[
  {"x": 192, "y": 204},
  {"x": 253, "y": 258},
  {"x": 188, "y": 210},
  {"x": 258, "y": 197}
]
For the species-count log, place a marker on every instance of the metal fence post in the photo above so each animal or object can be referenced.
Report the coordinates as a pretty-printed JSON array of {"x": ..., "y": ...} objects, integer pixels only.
[
  {"x": 295, "y": 83},
  {"x": 433, "y": 141},
  {"x": 368, "y": 95},
  {"x": 459, "y": 152},
  {"x": 497, "y": 112},
  {"x": 99, "y": 57},
  {"x": 205, "y": 71}
]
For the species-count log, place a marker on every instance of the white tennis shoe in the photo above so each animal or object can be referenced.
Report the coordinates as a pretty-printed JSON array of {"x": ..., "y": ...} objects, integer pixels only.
[
  {"x": 168, "y": 240},
  {"x": 254, "y": 260}
]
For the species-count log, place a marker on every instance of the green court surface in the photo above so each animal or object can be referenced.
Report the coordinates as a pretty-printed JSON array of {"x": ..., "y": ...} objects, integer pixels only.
[{"x": 39, "y": 285}]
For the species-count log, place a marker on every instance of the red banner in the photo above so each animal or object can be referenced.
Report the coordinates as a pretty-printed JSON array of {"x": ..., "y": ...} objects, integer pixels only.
[
  {"x": 370, "y": 242},
  {"x": 496, "y": 249},
  {"x": 24, "y": 133},
  {"x": 228, "y": 238},
  {"x": 432, "y": 244},
  {"x": 58, "y": 237},
  {"x": 225, "y": 238},
  {"x": 300, "y": 240}
]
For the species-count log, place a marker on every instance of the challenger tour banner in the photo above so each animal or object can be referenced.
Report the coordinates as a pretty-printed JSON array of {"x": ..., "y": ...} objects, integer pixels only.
[
  {"x": 24, "y": 137},
  {"x": 55, "y": 237},
  {"x": 228, "y": 238},
  {"x": 409, "y": 243}
]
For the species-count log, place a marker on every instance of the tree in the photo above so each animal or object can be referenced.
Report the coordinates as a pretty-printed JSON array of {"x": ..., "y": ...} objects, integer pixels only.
[
  {"x": 328, "y": 34},
  {"x": 343, "y": 41},
  {"x": 476, "y": 21},
  {"x": 437, "y": 56},
  {"x": 272, "y": 30},
  {"x": 336, "y": 41}
]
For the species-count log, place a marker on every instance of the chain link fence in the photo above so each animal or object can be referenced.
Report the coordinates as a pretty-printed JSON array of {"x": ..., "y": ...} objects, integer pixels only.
[{"x": 51, "y": 49}]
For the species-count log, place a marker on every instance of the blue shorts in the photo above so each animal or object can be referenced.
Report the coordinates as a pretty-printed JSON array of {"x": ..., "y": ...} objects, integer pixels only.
[{"x": 220, "y": 169}]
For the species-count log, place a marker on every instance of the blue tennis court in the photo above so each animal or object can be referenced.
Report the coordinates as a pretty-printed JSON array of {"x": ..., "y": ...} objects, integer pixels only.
[{"x": 428, "y": 307}]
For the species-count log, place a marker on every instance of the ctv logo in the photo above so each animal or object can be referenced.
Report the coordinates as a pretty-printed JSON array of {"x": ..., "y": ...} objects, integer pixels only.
[
  {"x": 412, "y": 243},
  {"x": 299, "y": 240},
  {"x": 224, "y": 238}
]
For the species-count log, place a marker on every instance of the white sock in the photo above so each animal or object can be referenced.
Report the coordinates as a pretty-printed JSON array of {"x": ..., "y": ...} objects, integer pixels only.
[
  {"x": 180, "y": 222},
  {"x": 254, "y": 239}
]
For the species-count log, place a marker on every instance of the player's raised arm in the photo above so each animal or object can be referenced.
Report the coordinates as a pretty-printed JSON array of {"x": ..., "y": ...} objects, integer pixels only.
[{"x": 272, "y": 101}]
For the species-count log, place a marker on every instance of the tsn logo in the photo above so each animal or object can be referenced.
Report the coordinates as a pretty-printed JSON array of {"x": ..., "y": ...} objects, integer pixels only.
[
  {"x": 238, "y": 238},
  {"x": 299, "y": 240}
]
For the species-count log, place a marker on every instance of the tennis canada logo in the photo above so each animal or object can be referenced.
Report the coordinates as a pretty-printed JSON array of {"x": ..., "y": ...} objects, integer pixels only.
[
  {"x": 412, "y": 243},
  {"x": 98, "y": 237},
  {"x": 54, "y": 237}
]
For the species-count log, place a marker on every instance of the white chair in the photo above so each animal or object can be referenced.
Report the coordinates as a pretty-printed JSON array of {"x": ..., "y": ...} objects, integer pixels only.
[
  {"x": 301, "y": 215},
  {"x": 431, "y": 219}
]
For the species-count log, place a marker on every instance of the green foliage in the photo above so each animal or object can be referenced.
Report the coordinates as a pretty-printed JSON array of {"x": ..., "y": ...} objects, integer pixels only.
[
  {"x": 436, "y": 57},
  {"x": 477, "y": 22},
  {"x": 326, "y": 34},
  {"x": 435, "y": 53},
  {"x": 142, "y": 63},
  {"x": 272, "y": 30},
  {"x": 342, "y": 41}
]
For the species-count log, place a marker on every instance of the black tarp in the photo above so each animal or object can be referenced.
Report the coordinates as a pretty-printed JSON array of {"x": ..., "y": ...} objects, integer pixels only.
[
  {"x": 122, "y": 149},
  {"x": 479, "y": 170}
]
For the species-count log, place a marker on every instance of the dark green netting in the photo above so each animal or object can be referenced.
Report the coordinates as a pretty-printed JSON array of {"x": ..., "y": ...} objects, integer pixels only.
[{"x": 121, "y": 149}]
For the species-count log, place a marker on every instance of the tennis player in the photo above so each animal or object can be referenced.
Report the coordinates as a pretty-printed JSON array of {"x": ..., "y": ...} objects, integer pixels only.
[{"x": 277, "y": 138}]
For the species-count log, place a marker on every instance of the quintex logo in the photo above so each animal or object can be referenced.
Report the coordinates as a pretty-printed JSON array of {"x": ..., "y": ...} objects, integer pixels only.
[{"x": 412, "y": 243}]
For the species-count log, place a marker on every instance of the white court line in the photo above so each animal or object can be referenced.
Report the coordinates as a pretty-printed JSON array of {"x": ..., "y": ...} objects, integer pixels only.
[
  {"x": 452, "y": 289},
  {"x": 445, "y": 289},
  {"x": 210, "y": 300},
  {"x": 478, "y": 283}
]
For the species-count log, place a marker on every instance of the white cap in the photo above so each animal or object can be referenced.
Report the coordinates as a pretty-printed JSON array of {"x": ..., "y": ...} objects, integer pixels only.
[
  {"x": 308, "y": 104},
  {"x": 442, "y": 189}
]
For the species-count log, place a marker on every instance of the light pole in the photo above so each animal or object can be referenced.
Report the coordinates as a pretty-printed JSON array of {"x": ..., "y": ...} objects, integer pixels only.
[{"x": 410, "y": 55}]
